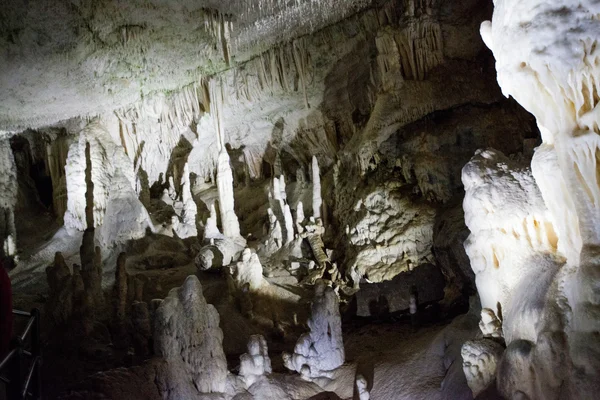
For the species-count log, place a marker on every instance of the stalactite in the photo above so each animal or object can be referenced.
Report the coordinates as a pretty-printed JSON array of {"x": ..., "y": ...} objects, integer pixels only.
[
  {"x": 420, "y": 46},
  {"x": 216, "y": 107},
  {"x": 299, "y": 52}
]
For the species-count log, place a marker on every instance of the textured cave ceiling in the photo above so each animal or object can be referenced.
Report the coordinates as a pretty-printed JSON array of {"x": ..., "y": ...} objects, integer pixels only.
[{"x": 65, "y": 58}]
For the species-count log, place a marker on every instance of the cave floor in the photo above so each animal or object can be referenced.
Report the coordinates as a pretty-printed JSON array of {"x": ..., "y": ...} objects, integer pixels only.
[{"x": 389, "y": 353}]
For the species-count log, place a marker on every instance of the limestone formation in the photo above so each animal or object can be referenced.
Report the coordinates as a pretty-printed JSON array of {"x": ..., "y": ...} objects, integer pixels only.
[
  {"x": 219, "y": 253},
  {"x": 117, "y": 211},
  {"x": 211, "y": 231},
  {"x": 390, "y": 233},
  {"x": 490, "y": 325},
  {"x": 480, "y": 361},
  {"x": 557, "y": 85},
  {"x": 8, "y": 198},
  {"x": 299, "y": 218},
  {"x": 316, "y": 186},
  {"x": 229, "y": 221},
  {"x": 348, "y": 140},
  {"x": 275, "y": 240},
  {"x": 320, "y": 351},
  {"x": 361, "y": 388},
  {"x": 249, "y": 271},
  {"x": 59, "y": 306},
  {"x": 209, "y": 257},
  {"x": 289, "y": 224},
  {"x": 188, "y": 226},
  {"x": 314, "y": 231},
  {"x": 256, "y": 363},
  {"x": 188, "y": 337}
]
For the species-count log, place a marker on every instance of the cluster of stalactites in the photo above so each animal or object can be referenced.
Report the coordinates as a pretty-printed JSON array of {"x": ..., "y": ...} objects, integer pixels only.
[{"x": 287, "y": 19}]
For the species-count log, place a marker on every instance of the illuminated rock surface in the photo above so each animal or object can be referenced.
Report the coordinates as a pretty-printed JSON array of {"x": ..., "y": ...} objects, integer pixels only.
[{"x": 244, "y": 156}]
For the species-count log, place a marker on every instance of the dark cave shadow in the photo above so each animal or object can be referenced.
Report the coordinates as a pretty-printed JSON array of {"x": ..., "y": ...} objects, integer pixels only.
[{"x": 365, "y": 368}]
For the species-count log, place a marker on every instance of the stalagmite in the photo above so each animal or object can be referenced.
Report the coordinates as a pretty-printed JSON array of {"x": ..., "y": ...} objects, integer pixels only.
[
  {"x": 211, "y": 231},
  {"x": 229, "y": 221},
  {"x": 299, "y": 217},
  {"x": 187, "y": 227},
  {"x": 320, "y": 351},
  {"x": 289, "y": 224},
  {"x": 283, "y": 194},
  {"x": 188, "y": 337},
  {"x": 256, "y": 363},
  {"x": 8, "y": 198},
  {"x": 361, "y": 388},
  {"x": 316, "y": 184},
  {"x": 249, "y": 271},
  {"x": 59, "y": 306},
  {"x": 117, "y": 211},
  {"x": 276, "y": 190},
  {"x": 275, "y": 234}
]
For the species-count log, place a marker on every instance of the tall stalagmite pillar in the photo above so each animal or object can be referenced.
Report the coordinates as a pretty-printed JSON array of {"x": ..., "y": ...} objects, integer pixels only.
[
  {"x": 317, "y": 200},
  {"x": 231, "y": 226}
]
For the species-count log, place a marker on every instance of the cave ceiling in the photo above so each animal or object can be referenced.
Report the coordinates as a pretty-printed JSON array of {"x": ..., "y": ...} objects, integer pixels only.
[{"x": 65, "y": 58}]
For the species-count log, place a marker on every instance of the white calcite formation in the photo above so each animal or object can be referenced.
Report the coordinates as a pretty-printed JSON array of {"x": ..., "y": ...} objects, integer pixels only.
[
  {"x": 188, "y": 337},
  {"x": 275, "y": 238},
  {"x": 116, "y": 207},
  {"x": 317, "y": 201},
  {"x": 481, "y": 356},
  {"x": 281, "y": 211},
  {"x": 8, "y": 198},
  {"x": 361, "y": 388},
  {"x": 490, "y": 325},
  {"x": 480, "y": 361},
  {"x": 299, "y": 217},
  {"x": 229, "y": 221},
  {"x": 390, "y": 234},
  {"x": 249, "y": 271},
  {"x": 282, "y": 192},
  {"x": 256, "y": 362},
  {"x": 509, "y": 225},
  {"x": 289, "y": 224},
  {"x": 546, "y": 58},
  {"x": 69, "y": 87},
  {"x": 211, "y": 231},
  {"x": 320, "y": 351},
  {"x": 187, "y": 227}
]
